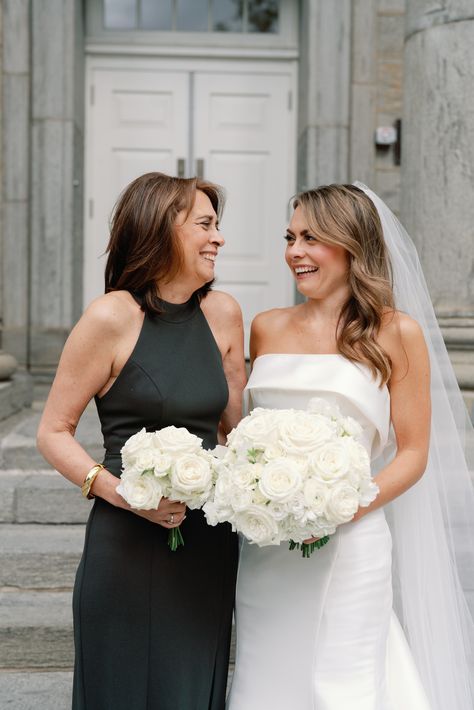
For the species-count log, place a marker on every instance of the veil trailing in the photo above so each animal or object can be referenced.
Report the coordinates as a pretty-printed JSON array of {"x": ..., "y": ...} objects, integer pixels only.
[{"x": 433, "y": 522}]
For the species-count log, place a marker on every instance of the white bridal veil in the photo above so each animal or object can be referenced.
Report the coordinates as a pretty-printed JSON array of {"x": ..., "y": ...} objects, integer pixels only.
[{"x": 433, "y": 522}]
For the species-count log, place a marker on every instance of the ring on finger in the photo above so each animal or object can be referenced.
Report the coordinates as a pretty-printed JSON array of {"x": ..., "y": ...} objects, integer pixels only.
[{"x": 171, "y": 519}]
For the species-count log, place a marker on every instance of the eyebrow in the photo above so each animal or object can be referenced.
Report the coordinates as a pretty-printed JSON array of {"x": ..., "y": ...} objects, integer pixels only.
[{"x": 303, "y": 232}]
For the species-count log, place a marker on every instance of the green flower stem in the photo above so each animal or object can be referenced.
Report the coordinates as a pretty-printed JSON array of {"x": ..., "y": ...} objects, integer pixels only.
[
  {"x": 308, "y": 549},
  {"x": 175, "y": 539}
]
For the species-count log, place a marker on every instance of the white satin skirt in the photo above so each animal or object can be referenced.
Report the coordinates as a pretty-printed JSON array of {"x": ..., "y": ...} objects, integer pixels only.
[{"x": 320, "y": 633}]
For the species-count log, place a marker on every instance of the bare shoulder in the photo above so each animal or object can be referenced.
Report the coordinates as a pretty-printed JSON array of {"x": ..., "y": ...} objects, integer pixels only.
[
  {"x": 402, "y": 338},
  {"x": 221, "y": 304},
  {"x": 399, "y": 328},
  {"x": 274, "y": 318},
  {"x": 110, "y": 313}
]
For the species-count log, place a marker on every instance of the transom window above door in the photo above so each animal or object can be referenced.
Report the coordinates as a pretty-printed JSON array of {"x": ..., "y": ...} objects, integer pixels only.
[{"x": 237, "y": 16}]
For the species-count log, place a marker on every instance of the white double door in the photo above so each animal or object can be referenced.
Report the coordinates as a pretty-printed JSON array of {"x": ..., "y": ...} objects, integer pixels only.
[{"x": 232, "y": 123}]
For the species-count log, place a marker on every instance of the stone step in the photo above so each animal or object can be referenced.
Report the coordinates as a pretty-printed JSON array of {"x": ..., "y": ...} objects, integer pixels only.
[
  {"x": 40, "y": 496},
  {"x": 41, "y": 690},
  {"x": 18, "y": 439},
  {"x": 40, "y": 556},
  {"x": 44, "y": 690},
  {"x": 36, "y": 630}
]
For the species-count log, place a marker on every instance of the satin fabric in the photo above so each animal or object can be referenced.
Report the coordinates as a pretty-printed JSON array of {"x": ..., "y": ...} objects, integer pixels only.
[{"x": 320, "y": 634}]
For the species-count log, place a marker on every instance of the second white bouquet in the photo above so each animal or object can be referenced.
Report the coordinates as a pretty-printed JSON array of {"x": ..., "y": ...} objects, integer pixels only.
[
  {"x": 168, "y": 463},
  {"x": 290, "y": 475}
]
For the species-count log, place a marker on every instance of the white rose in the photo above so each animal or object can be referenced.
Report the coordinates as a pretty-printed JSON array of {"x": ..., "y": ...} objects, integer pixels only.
[
  {"x": 350, "y": 427},
  {"x": 257, "y": 525},
  {"x": 244, "y": 476},
  {"x": 216, "y": 513},
  {"x": 259, "y": 428},
  {"x": 280, "y": 479},
  {"x": 317, "y": 405},
  {"x": 342, "y": 503},
  {"x": 161, "y": 464},
  {"x": 136, "y": 446},
  {"x": 315, "y": 495},
  {"x": 272, "y": 451},
  {"x": 297, "y": 506},
  {"x": 177, "y": 440},
  {"x": 279, "y": 511},
  {"x": 302, "y": 433},
  {"x": 368, "y": 491},
  {"x": 241, "y": 499},
  {"x": 220, "y": 452},
  {"x": 191, "y": 476},
  {"x": 359, "y": 457},
  {"x": 140, "y": 492},
  {"x": 331, "y": 461}
]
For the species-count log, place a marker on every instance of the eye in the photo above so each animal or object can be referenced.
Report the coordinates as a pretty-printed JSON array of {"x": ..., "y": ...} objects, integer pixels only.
[
  {"x": 288, "y": 238},
  {"x": 310, "y": 238},
  {"x": 206, "y": 225}
]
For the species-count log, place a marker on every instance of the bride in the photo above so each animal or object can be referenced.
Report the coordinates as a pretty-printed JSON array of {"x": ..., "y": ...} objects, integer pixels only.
[{"x": 321, "y": 634}]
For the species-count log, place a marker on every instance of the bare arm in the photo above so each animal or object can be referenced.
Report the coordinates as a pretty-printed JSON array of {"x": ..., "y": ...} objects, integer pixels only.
[
  {"x": 87, "y": 365},
  {"x": 225, "y": 318},
  {"x": 234, "y": 369},
  {"x": 410, "y": 413}
]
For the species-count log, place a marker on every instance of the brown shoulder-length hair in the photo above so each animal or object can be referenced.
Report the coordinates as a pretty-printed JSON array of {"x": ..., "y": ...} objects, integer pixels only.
[
  {"x": 143, "y": 249},
  {"x": 346, "y": 216}
]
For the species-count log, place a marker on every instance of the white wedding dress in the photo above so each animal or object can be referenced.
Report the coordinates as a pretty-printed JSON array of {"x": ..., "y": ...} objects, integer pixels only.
[{"x": 320, "y": 633}]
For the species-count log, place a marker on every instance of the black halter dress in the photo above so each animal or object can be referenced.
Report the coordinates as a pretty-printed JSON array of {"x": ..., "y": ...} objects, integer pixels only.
[{"x": 151, "y": 626}]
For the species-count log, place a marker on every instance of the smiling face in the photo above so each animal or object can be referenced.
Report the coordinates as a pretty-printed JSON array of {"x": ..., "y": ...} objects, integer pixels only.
[
  {"x": 321, "y": 270},
  {"x": 200, "y": 240}
]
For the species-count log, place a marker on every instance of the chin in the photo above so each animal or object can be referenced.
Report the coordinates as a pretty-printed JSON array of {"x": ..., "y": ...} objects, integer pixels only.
[{"x": 306, "y": 289}]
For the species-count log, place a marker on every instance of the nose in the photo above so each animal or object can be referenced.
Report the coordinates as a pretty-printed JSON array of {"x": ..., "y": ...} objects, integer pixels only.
[
  {"x": 296, "y": 250},
  {"x": 217, "y": 238}
]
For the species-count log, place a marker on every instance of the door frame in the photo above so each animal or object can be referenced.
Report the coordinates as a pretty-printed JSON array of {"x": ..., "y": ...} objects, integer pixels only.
[{"x": 185, "y": 64}]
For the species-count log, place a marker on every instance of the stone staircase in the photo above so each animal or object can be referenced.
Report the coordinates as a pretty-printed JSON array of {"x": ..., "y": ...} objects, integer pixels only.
[{"x": 42, "y": 521}]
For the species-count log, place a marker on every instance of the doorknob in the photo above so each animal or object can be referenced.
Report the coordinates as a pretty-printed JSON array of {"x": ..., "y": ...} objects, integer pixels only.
[
  {"x": 200, "y": 167},
  {"x": 180, "y": 168}
]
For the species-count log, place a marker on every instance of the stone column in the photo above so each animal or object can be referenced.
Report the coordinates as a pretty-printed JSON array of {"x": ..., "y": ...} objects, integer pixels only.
[
  {"x": 15, "y": 177},
  {"x": 324, "y": 92},
  {"x": 364, "y": 91},
  {"x": 57, "y": 175},
  {"x": 437, "y": 164}
]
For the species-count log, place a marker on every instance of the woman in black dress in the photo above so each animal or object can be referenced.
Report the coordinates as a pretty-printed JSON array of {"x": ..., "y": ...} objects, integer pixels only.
[{"x": 151, "y": 626}]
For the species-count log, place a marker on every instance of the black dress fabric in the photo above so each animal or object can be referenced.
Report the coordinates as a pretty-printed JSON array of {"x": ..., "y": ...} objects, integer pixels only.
[{"x": 152, "y": 627}]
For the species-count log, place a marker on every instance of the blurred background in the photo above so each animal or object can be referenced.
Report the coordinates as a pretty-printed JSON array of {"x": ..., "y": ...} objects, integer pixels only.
[{"x": 266, "y": 97}]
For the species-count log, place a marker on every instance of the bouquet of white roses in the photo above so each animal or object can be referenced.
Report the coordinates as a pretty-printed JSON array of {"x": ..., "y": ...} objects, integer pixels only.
[
  {"x": 167, "y": 463},
  {"x": 291, "y": 475}
]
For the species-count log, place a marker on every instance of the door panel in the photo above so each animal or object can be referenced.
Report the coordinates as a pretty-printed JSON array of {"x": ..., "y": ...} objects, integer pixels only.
[
  {"x": 243, "y": 132},
  {"x": 138, "y": 123}
]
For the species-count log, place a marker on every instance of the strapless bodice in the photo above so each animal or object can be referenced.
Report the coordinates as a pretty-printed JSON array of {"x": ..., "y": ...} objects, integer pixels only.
[{"x": 281, "y": 381}]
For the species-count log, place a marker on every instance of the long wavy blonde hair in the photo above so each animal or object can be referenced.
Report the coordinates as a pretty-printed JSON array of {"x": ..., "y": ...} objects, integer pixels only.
[{"x": 346, "y": 216}]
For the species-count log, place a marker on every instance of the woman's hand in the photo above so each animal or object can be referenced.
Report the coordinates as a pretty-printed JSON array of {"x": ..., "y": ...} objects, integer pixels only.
[
  {"x": 169, "y": 514},
  {"x": 310, "y": 540}
]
